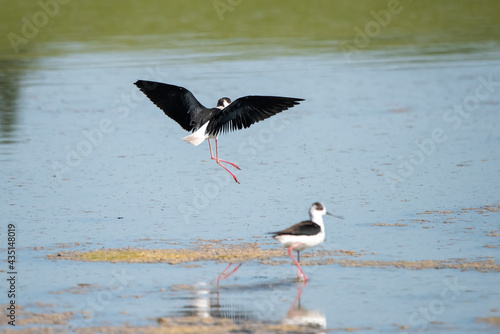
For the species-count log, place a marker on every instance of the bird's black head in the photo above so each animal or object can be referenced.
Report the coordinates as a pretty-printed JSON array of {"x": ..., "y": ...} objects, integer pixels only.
[
  {"x": 223, "y": 102},
  {"x": 318, "y": 206},
  {"x": 318, "y": 209}
]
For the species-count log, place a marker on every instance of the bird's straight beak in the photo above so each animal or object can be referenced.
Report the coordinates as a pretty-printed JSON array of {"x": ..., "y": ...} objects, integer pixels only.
[{"x": 331, "y": 214}]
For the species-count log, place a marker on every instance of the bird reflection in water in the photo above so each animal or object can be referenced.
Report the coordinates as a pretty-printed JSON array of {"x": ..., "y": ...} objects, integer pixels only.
[
  {"x": 242, "y": 306},
  {"x": 300, "y": 316}
]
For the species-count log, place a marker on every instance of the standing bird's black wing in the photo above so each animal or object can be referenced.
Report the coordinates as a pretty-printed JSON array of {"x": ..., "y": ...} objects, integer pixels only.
[
  {"x": 248, "y": 110},
  {"x": 178, "y": 103},
  {"x": 306, "y": 227}
]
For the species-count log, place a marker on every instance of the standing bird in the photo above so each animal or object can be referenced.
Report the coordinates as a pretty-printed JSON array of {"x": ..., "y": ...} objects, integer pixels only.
[
  {"x": 306, "y": 234},
  {"x": 179, "y": 104}
]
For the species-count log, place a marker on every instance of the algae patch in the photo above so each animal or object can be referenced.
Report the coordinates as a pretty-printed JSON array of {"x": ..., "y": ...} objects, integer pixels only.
[
  {"x": 215, "y": 251},
  {"x": 209, "y": 252},
  {"x": 494, "y": 321},
  {"x": 462, "y": 264}
]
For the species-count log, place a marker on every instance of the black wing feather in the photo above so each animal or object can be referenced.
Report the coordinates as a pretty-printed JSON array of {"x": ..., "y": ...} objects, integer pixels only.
[
  {"x": 248, "y": 110},
  {"x": 303, "y": 228},
  {"x": 177, "y": 102}
]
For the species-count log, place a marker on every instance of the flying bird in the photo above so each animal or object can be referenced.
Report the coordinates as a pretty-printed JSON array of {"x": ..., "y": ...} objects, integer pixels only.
[
  {"x": 305, "y": 234},
  {"x": 179, "y": 104}
]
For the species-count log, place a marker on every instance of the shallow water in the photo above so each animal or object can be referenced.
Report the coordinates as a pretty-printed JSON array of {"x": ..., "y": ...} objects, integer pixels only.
[{"x": 88, "y": 163}]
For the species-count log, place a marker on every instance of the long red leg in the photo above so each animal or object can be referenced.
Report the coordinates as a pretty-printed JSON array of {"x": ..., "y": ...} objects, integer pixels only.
[
  {"x": 290, "y": 249},
  {"x": 220, "y": 164},
  {"x": 225, "y": 161},
  {"x": 223, "y": 275},
  {"x": 298, "y": 260},
  {"x": 214, "y": 158},
  {"x": 231, "y": 163},
  {"x": 211, "y": 154}
]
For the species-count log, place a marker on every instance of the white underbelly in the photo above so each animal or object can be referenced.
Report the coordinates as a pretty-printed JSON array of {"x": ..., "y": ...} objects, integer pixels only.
[
  {"x": 305, "y": 241},
  {"x": 199, "y": 136}
]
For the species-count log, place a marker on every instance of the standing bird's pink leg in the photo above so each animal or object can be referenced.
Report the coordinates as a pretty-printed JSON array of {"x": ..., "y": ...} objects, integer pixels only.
[
  {"x": 290, "y": 249},
  {"x": 224, "y": 275},
  {"x": 299, "y": 275}
]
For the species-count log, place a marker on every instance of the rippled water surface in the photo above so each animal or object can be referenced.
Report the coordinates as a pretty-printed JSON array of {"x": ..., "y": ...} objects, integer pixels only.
[{"x": 398, "y": 133}]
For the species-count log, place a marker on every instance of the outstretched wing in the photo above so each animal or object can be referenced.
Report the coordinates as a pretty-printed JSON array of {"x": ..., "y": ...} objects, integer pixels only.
[
  {"x": 248, "y": 110},
  {"x": 178, "y": 103},
  {"x": 303, "y": 228}
]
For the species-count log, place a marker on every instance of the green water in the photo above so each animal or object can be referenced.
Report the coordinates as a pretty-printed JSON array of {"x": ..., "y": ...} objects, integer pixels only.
[{"x": 32, "y": 28}]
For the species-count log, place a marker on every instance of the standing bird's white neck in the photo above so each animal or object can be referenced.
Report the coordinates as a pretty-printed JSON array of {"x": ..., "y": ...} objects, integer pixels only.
[{"x": 317, "y": 217}]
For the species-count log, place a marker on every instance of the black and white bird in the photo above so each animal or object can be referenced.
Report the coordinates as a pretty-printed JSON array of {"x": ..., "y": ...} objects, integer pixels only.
[
  {"x": 179, "y": 104},
  {"x": 305, "y": 234}
]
